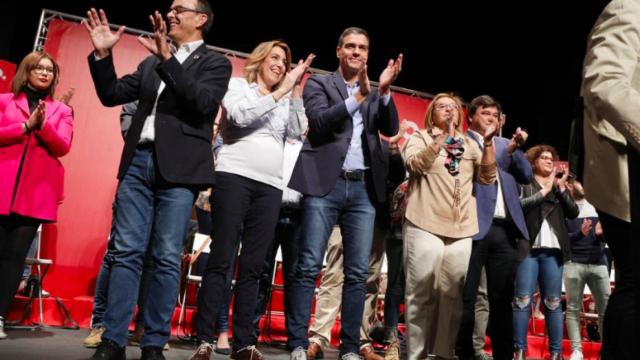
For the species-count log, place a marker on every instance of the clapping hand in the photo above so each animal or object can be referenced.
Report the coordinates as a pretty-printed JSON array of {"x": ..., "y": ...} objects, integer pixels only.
[
  {"x": 390, "y": 74},
  {"x": 36, "y": 120},
  {"x": 158, "y": 46},
  {"x": 293, "y": 78}
]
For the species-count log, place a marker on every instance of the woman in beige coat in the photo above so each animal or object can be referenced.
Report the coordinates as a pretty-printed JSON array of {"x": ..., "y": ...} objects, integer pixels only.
[{"x": 441, "y": 219}]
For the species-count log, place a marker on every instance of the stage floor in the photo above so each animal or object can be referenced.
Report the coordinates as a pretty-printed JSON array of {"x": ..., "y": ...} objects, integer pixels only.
[
  {"x": 58, "y": 344},
  {"x": 55, "y": 344}
]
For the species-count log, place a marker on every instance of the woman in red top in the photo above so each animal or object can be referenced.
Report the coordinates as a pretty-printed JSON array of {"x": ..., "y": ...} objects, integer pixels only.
[{"x": 35, "y": 130}]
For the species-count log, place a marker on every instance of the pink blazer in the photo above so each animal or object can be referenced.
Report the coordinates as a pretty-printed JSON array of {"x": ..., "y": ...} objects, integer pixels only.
[{"x": 39, "y": 189}]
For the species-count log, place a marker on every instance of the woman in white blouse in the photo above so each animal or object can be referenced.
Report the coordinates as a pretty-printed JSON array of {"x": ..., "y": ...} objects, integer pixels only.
[{"x": 261, "y": 110}]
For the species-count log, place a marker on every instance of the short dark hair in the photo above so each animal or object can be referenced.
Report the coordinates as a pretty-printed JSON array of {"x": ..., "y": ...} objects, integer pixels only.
[
  {"x": 483, "y": 101},
  {"x": 205, "y": 8},
  {"x": 352, "y": 30},
  {"x": 534, "y": 153}
]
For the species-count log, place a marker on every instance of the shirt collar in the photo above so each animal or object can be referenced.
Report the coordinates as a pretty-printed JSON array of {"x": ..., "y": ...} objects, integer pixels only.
[{"x": 190, "y": 46}]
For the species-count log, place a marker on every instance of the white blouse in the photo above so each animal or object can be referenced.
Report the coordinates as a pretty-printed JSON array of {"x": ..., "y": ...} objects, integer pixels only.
[{"x": 254, "y": 129}]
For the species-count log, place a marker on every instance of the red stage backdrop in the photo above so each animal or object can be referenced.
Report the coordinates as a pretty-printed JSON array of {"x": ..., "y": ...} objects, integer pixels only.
[
  {"x": 7, "y": 70},
  {"x": 77, "y": 241}
]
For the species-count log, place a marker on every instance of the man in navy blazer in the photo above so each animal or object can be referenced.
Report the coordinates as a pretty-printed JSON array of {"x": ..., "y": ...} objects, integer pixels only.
[
  {"x": 341, "y": 171},
  {"x": 166, "y": 160},
  {"x": 501, "y": 224}
]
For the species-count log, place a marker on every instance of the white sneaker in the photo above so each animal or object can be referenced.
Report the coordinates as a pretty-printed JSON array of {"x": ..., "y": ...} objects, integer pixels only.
[
  {"x": 350, "y": 356},
  {"x": 3, "y": 335},
  {"x": 576, "y": 355},
  {"x": 299, "y": 353}
]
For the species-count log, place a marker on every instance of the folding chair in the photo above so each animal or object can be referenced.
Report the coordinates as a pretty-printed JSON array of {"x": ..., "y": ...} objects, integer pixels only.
[
  {"x": 200, "y": 245},
  {"x": 42, "y": 267}
]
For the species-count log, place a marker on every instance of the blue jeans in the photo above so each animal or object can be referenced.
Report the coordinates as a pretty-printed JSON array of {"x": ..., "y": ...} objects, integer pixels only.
[
  {"x": 542, "y": 266},
  {"x": 147, "y": 210},
  {"x": 102, "y": 288},
  {"x": 349, "y": 205},
  {"x": 394, "y": 295}
]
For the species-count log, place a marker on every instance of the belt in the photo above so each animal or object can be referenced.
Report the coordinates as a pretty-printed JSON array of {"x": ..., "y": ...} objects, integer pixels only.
[
  {"x": 145, "y": 146},
  {"x": 353, "y": 175}
]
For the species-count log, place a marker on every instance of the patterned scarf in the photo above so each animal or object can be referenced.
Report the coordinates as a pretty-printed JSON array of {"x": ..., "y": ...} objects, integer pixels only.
[{"x": 455, "y": 149}]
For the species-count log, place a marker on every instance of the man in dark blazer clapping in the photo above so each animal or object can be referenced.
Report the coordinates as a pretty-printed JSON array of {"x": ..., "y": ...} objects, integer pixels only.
[
  {"x": 501, "y": 223},
  {"x": 341, "y": 171},
  {"x": 166, "y": 160}
]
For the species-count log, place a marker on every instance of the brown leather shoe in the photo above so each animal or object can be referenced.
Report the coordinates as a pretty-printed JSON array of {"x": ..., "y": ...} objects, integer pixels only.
[
  {"x": 203, "y": 352},
  {"x": 368, "y": 353},
  {"x": 247, "y": 353},
  {"x": 314, "y": 351}
]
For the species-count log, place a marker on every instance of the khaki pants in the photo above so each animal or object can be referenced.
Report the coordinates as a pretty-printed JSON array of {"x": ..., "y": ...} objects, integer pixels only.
[
  {"x": 330, "y": 291},
  {"x": 482, "y": 315},
  {"x": 435, "y": 269}
]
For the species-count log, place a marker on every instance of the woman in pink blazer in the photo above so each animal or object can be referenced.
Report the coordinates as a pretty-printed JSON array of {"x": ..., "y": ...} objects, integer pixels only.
[{"x": 35, "y": 130}]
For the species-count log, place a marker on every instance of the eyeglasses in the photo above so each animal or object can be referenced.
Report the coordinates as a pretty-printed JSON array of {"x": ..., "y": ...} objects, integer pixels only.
[
  {"x": 181, "y": 9},
  {"x": 39, "y": 69},
  {"x": 442, "y": 107},
  {"x": 545, "y": 157}
]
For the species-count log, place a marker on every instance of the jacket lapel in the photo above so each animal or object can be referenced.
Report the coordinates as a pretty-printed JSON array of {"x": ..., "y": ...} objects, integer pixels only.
[
  {"x": 51, "y": 107},
  {"x": 21, "y": 101},
  {"x": 196, "y": 55},
  {"x": 338, "y": 81}
]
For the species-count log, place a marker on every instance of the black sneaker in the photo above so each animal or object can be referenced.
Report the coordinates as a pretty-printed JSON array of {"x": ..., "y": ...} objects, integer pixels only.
[
  {"x": 109, "y": 350},
  {"x": 152, "y": 353}
]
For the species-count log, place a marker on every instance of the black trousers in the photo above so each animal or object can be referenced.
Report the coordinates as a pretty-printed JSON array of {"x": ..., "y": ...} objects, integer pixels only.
[
  {"x": 620, "y": 334},
  {"x": 497, "y": 254},
  {"x": 239, "y": 202},
  {"x": 287, "y": 237},
  {"x": 16, "y": 235}
]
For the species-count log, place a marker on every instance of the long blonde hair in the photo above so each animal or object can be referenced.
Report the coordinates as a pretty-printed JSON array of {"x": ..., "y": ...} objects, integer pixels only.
[
  {"x": 29, "y": 63},
  {"x": 261, "y": 52}
]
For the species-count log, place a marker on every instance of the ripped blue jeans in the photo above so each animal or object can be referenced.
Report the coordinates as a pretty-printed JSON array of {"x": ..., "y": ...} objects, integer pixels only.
[{"x": 544, "y": 267}]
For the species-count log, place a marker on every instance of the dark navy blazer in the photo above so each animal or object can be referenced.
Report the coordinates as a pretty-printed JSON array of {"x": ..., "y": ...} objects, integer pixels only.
[
  {"x": 330, "y": 130},
  {"x": 512, "y": 169}
]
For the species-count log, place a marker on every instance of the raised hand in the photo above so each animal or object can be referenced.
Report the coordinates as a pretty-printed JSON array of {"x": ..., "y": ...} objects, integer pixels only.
[
  {"x": 301, "y": 68},
  {"x": 547, "y": 183},
  {"x": 293, "y": 78},
  {"x": 585, "y": 227},
  {"x": 395, "y": 139},
  {"x": 518, "y": 139},
  {"x": 490, "y": 132},
  {"x": 66, "y": 97},
  {"x": 102, "y": 37},
  {"x": 158, "y": 46},
  {"x": 390, "y": 74},
  {"x": 451, "y": 124},
  {"x": 598, "y": 228},
  {"x": 363, "y": 79},
  {"x": 562, "y": 182}
]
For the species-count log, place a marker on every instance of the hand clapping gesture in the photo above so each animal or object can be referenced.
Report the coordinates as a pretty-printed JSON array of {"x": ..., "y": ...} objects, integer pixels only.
[
  {"x": 293, "y": 78},
  {"x": 102, "y": 37},
  {"x": 36, "y": 120},
  {"x": 390, "y": 74},
  {"x": 562, "y": 182},
  {"x": 158, "y": 46},
  {"x": 585, "y": 227}
]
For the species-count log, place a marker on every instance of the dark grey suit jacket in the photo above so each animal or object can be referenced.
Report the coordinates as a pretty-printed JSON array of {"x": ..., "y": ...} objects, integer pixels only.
[{"x": 330, "y": 130}]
